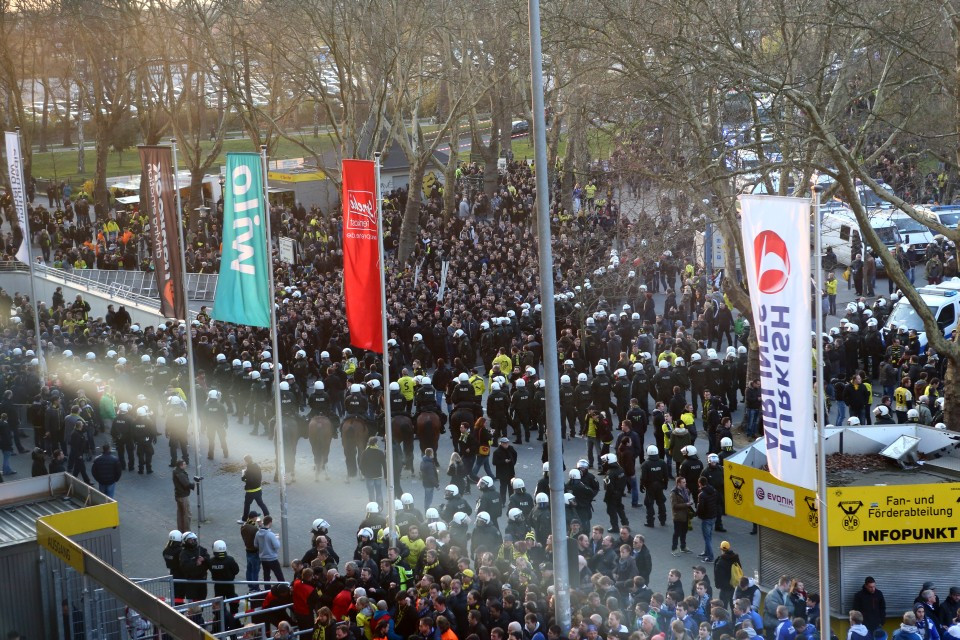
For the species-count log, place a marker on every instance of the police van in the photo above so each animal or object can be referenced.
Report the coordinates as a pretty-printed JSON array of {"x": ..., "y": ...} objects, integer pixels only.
[
  {"x": 915, "y": 235},
  {"x": 943, "y": 300},
  {"x": 839, "y": 228},
  {"x": 946, "y": 214}
]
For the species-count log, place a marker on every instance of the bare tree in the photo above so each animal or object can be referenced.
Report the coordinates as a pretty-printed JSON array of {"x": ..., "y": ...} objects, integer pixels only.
[{"x": 105, "y": 37}]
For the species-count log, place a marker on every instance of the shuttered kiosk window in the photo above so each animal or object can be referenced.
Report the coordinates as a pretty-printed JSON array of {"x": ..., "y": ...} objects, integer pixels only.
[
  {"x": 899, "y": 579},
  {"x": 783, "y": 554}
]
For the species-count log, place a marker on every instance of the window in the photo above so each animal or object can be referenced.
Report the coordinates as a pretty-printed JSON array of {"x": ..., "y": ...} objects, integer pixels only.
[
  {"x": 844, "y": 233},
  {"x": 946, "y": 318}
]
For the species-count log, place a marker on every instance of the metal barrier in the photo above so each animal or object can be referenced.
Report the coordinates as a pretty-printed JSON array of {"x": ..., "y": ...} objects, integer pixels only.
[
  {"x": 108, "y": 610},
  {"x": 247, "y": 632},
  {"x": 139, "y": 286},
  {"x": 196, "y": 611},
  {"x": 93, "y": 613}
]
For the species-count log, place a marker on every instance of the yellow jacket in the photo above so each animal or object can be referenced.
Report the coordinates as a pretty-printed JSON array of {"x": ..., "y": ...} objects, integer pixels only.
[
  {"x": 506, "y": 365},
  {"x": 407, "y": 387}
]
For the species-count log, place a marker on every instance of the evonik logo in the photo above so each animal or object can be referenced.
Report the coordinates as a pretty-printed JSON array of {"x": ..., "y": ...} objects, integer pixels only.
[{"x": 772, "y": 262}]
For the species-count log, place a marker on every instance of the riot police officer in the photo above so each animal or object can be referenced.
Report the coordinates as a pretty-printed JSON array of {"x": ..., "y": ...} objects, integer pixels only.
[
  {"x": 583, "y": 396},
  {"x": 223, "y": 567},
  {"x": 614, "y": 484},
  {"x": 144, "y": 437},
  {"x": 454, "y": 503},
  {"x": 489, "y": 499},
  {"x": 653, "y": 481},
  {"x": 215, "y": 422},
  {"x": 498, "y": 407},
  {"x": 519, "y": 498},
  {"x": 122, "y": 433},
  {"x": 568, "y": 408},
  {"x": 521, "y": 406}
]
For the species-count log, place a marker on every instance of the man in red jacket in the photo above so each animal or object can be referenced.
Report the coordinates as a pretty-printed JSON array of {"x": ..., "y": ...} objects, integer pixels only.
[{"x": 305, "y": 599}]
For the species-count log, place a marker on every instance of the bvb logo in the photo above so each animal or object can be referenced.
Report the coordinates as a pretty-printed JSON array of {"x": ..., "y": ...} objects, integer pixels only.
[
  {"x": 850, "y": 520},
  {"x": 737, "y": 483},
  {"x": 813, "y": 517}
]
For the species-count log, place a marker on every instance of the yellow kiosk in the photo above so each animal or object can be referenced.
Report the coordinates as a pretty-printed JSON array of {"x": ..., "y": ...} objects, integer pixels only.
[{"x": 892, "y": 509}]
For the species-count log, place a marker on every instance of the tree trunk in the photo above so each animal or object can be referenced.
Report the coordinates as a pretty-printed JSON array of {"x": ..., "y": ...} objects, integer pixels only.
[
  {"x": 101, "y": 196},
  {"x": 553, "y": 144},
  {"x": 450, "y": 175},
  {"x": 66, "y": 117},
  {"x": 410, "y": 229},
  {"x": 196, "y": 198},
  {"x": 506, "y": 136},
  {"x": 490, "y": 177},
  {"x": 45, "y": 118},
  {"x": 567, "y": 178},
  {"x": 951, "y": 395}
]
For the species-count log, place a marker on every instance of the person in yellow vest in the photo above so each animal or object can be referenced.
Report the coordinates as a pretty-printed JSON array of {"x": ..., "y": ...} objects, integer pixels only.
[
  {"x": 590, "y": 191},
  {"x": 668, "y": 355},
  {"x": 349, "y": 362},
  {"x": 478, "y": 384},
  {"x": 407, "y": 387},
  {"x": 831, "y": 287},
  {"x": 504, "y": 361}
]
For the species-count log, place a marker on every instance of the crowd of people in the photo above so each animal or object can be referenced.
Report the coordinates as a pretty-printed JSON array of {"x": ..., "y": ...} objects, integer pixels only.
[{"x": 455, "y": 570}]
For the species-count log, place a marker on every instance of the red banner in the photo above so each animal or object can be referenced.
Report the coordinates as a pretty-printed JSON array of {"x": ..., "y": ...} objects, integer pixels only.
[
  {"x": 160, "y": 204},
  {"x": 361, "y": 262}
]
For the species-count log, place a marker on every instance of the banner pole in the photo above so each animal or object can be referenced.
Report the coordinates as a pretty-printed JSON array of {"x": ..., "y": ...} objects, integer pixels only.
[
  {"x": 191, "y": 371},
  {"x": 27, "y": 243},
  {"x": 278, "y": 418},
  {"x": 387, "y": 431},
  {"x": 824, "y": 538},
  {"x": 561, "y": 579}
]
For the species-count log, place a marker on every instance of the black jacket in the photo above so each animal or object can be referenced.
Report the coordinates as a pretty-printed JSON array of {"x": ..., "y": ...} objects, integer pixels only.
[
  {"x": 372, "y": 463},
  {"x": 505, "y": 461},
  {"x": 873, "y": 606},
  {"x": 252, "y": 477},
  {"x": 615, "y": 482},
  {"x": 106, "y": 469},
  {"x": 708, "y": 503},
  {"x": 181, "y": 483}
]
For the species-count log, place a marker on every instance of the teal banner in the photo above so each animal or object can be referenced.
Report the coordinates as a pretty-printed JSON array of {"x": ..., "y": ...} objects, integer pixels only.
[{"x": 243, "y": 290}]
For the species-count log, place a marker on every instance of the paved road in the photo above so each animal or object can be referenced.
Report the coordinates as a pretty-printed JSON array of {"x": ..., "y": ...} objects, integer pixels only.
[{"x": 147, "y": 508}]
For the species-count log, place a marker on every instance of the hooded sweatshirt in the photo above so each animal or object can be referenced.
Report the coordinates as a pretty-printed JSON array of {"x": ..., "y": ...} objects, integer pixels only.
[{"x": 267, "y": 544}]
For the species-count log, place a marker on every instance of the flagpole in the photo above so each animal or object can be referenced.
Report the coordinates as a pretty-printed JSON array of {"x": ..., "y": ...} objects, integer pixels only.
[
  {"x": 27, "y": 242},
  {"x": 824, "y": 555},
  {"x": 191, "y": 371},
  {"x": 387, "y": 431},
  {"x": 275, "y": 351},
  {"x": 561, "y": 573}
]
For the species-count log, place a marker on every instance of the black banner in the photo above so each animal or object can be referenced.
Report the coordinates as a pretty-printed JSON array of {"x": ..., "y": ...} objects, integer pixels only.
[{"x": 160, "y": 205}]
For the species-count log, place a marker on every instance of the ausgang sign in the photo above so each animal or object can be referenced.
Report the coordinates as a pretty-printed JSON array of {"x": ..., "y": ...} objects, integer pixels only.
[{"x": 900, "y": 514}]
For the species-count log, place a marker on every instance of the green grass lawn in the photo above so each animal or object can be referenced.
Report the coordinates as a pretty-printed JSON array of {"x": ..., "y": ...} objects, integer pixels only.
[
  {"x": 599, "y": 143},
  {"x": 63, "y": 165}
]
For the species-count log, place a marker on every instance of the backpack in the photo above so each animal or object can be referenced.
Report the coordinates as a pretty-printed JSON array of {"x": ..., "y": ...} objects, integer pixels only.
[{"x": 736, "y": 572}]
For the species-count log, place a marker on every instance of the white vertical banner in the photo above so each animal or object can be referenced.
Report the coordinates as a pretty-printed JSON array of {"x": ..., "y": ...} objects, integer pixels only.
[
  {"x": 18, "y": 191},
  {"x": 776, "y": 246}
]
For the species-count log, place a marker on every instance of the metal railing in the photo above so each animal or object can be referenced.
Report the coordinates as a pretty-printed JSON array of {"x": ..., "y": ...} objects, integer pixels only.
[
  {"x": 116, "y": 290},
  {"x": 133, "y": 285},
  {"x": 247, "y": 632}
]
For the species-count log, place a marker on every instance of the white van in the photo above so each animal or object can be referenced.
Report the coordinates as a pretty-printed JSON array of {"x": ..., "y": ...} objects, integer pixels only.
[
  {"x": 915, "y": 235},
  {"x": 943, "y": 302},
  {"x": 839, "y": 228}
]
